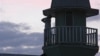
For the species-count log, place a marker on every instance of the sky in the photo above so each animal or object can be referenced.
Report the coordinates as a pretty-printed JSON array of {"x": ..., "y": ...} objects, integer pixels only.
[{"x": 21, "y": 29}]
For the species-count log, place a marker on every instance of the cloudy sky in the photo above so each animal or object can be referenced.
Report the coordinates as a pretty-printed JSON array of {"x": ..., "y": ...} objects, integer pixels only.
[{"x": 21, "y": 29}]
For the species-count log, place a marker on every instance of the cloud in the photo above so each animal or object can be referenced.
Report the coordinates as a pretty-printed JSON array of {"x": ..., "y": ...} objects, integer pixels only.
[
  {"x": 94, "y": 18},
  {"x": 98, "y": 54},
  {"x": 12, "y": 40},
  {"x": 98, "y": 37},
  {"x": 95, "y": 4},
  {"x": 99, "y": 41}
]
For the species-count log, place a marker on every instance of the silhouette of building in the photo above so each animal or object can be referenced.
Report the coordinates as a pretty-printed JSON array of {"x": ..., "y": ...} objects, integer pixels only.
[
  {"x": 5, "y": 54},
  {"x": 70, "y": 36}
]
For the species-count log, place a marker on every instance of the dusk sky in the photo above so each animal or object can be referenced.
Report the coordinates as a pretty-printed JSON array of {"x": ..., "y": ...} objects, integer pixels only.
[{"x": 21, "y": 29}]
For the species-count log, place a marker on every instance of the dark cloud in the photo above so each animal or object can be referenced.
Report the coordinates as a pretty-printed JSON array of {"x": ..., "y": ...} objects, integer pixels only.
[{"x": 12, "y": 40}]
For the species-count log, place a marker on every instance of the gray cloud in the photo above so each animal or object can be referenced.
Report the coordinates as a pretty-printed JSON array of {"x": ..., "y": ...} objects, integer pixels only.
[
  {"x": 12, "y": 40},
  {"x": 98, "y": 54},
  {"x": 94, "y": 18},
  {"x": 98, "y": 37}
]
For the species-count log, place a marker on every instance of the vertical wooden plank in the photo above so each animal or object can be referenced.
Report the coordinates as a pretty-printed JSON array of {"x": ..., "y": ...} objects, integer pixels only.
[
  {"x": 88, "y": 35},
  {"x": 73, "y": 38},
  {"x": 76, "y": 37},
  {"x": 80, "y": 38},
  {"x": 96, "y": 37},
  {"x": 69, "y": 34},
  {"x": 59, "y": 35}
]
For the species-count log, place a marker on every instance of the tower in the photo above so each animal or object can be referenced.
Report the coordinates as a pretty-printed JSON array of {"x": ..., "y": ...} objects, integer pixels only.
[{"x": 70, "y": 36}]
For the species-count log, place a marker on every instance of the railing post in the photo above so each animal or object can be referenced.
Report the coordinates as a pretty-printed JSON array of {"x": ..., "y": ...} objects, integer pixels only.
[
  {"x": 80, "y": 34},
  {"x": 70, "y": 35},
  {"x": 96, "y": 37},
  {"x": 45, "y": 37}
]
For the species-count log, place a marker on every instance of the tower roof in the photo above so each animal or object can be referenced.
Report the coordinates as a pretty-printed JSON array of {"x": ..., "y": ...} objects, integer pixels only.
[
  {"x": 70, "y": 4},
  {"x": 89, "y": 12}
]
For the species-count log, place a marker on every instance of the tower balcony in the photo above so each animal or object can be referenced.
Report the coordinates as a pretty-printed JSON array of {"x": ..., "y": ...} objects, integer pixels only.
[{"x": 70, "y": 35}]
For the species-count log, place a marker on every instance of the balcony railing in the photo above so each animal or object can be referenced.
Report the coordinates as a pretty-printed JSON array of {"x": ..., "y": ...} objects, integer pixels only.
[{"x": 70, "y": 35}]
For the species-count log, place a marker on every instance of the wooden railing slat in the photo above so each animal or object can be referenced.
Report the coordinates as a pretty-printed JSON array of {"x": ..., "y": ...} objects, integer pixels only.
[{"x": 71, "y": 35}]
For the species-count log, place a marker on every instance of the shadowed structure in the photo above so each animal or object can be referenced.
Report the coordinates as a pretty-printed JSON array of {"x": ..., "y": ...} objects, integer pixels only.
[
  {"x": 5, "y": 54},
  {"x": 70, "y": 36}
]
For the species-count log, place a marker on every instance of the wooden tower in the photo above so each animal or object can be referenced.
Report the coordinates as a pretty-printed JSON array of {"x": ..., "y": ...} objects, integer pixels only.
[{"x": 70, "y": 36}]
